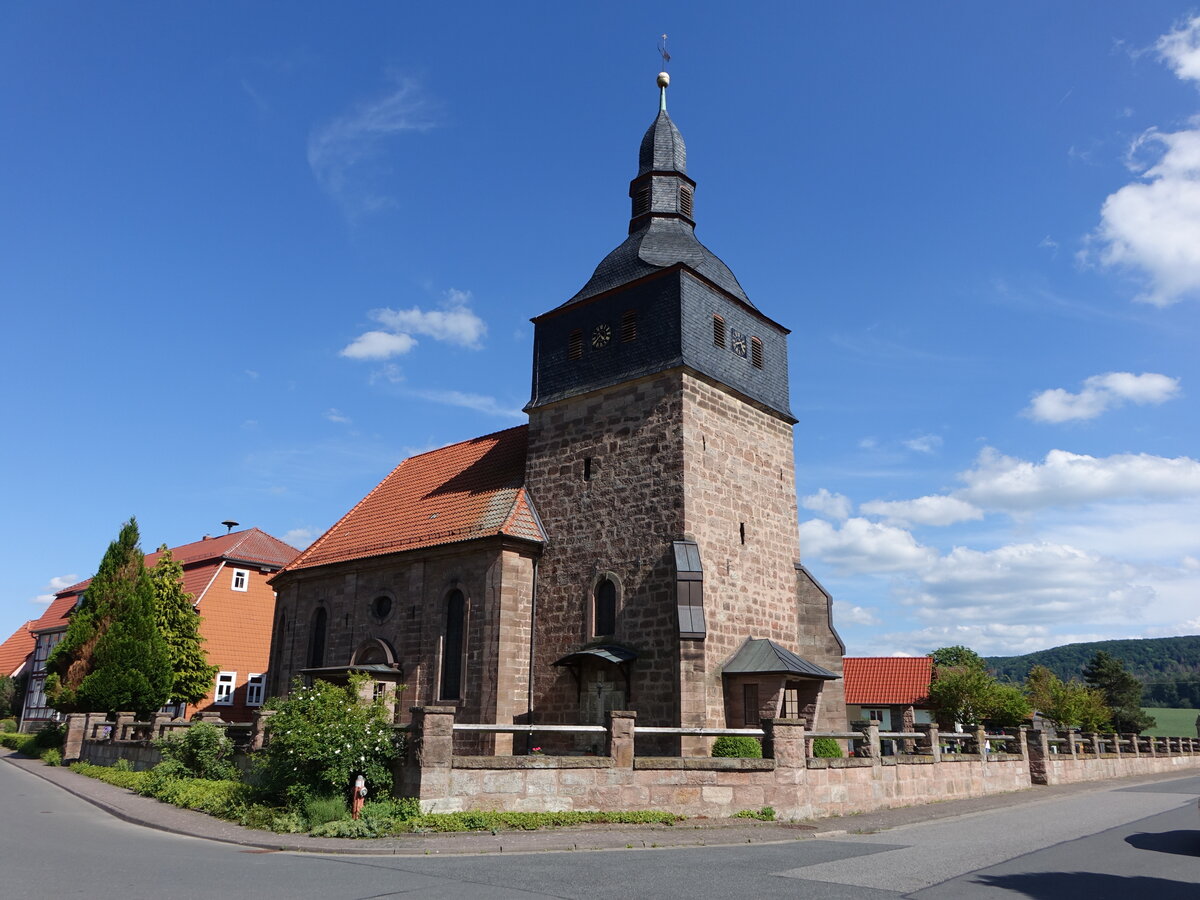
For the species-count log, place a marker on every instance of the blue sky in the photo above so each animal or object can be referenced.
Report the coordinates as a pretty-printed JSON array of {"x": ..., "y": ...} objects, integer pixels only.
[{"x": 254, "y": 255}]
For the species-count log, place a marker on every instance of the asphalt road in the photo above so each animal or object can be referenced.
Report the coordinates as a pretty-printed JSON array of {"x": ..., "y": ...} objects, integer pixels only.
[{"x": 1118, "y": 842}]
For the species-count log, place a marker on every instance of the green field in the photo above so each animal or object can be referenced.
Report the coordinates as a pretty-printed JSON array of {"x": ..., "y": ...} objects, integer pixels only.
[{"x": 1172, "y": 722}]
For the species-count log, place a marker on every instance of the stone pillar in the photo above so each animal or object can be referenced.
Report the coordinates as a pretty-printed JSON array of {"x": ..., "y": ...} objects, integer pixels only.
[
  {"x": 258, "y": 732},
  {"x": 784, "y": 742},
  {"x": 212, "y": 718},
  {"x": 620, "y": 737},
  {"x": 1095, "y": 741},
  {"x": 1132, "y": 737},
  {"x": 980, "y": 738},
  {"x": 1152, "y": 745},
  {"x": 1071, "y": 744},
  {"x": 870, "y": 731},
  {"x": 125, "y": 721},
  {"x": 1022, "y": 732},
  {"x": 1116, "y": 743},
  {"x": 425, "y": 774},
  {"x": 157, "y": 730},
  {"x": 73, "y": 743},
  {"x": 1038, "y": 748},
  {"x": 931, "y": 743}
]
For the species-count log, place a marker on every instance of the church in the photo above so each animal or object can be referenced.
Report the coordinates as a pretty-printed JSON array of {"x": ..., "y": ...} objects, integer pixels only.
[{"x": 635, "y": 546}]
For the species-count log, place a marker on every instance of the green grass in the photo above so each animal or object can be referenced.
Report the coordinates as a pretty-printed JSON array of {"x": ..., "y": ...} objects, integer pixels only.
[{"x": 1172, "y": 722}]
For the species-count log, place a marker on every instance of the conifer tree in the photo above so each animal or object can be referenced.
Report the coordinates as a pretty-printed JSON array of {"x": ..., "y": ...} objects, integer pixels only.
[
  {"x": 179, "y": 625},
  {"x": 112, "y": 657},
  {"x": 1122, "y": 692}
]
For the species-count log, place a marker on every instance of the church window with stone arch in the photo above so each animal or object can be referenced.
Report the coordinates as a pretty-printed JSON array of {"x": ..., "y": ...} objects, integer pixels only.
[
  {"x": 452, "y": 645},
  {"x": 604, "y": 607},
  {"x": 316, "y": 638},
  {"x": 718, "y": 332}
]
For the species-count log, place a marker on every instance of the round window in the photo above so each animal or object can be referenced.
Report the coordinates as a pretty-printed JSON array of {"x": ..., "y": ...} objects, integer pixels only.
[{"x": 381, "y": 606}]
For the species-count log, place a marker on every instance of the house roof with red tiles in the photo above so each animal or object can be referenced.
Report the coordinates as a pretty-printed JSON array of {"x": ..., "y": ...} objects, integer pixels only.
[
  {"x": 469, "y": 490},
  {"x": 15, "y": 650},
  {"x": 887, "y": 680},
  {"x": 201, "y": 560}
]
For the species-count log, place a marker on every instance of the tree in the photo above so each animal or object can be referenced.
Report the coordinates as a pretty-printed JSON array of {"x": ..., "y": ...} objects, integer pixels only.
[
  {"x": 1068, "y": 704},
  {"x": 179, "y": 624},
  {"x": 956, "y": 657},
  {"x": 112, "y": 657},
  {"x": 1121, "y": 691},
  {"x": 1009, "y": 706},
  {"x": 12, "y": 695},
  {"x": 963, "y": 694}
]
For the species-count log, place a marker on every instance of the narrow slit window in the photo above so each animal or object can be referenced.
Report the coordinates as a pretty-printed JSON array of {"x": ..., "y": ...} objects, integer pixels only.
[
  {"x": 452, "y": 645},
  {"x": 587, "y": 468},
  {"x": 718, "y": 332},
  {"x": 756, "y": 352},
  {"x": 742, "y": 531},
  {"x": 629, "y": 326},
  {"x": 750, "y": 705},
  {"x": 604, "y": 609},
  {"x": 575, "y": 344},
  {"x": 316, "y": 640}
]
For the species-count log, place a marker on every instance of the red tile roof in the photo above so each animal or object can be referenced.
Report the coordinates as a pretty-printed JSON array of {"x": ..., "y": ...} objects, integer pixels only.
[
  {"x": 887, "y": 679},
  {"x": 56, "y": 615},
  {"x": 465, "y": 491},
  {"x": 14, "y": 651}
]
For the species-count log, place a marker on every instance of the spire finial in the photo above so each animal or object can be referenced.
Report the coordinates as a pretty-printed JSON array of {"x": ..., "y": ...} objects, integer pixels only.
[{"x": 663, "y": 78}]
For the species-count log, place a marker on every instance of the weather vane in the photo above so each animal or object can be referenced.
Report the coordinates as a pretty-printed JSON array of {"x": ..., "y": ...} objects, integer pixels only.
[{"x": 662, "y": 49}]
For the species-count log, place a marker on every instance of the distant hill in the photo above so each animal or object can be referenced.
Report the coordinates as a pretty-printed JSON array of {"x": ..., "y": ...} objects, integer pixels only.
[{"x": 1168, "y": 667}]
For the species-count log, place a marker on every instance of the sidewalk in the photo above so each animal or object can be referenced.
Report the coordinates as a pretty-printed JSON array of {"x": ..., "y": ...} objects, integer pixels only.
[{"x": 151, "y": 813}]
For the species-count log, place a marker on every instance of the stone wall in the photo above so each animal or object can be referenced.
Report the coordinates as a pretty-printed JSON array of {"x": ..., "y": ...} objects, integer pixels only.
[{"x": 1107, "y": 756}]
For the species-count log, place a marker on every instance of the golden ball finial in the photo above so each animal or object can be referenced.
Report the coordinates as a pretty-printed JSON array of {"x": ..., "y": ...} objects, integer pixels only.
[{"x": 663, "y": 79}]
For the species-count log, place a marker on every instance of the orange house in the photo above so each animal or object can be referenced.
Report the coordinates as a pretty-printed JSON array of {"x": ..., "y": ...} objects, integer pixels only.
[{"x": 227, "y": 577}]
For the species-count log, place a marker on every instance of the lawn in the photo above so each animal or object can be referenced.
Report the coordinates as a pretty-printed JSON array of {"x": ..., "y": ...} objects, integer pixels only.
[{"x": 1172, "y": 722}]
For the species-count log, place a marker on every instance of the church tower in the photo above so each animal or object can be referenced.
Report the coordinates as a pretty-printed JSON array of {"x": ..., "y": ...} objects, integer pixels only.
[{"x": 660, "y": 460}]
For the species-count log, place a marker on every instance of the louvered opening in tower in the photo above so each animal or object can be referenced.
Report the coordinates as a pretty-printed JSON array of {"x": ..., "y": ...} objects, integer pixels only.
[
  {"x": 641, "y": 202},
  {"x": 685, "y": 201},
  {"x": 628, "y": 326},
  {"x": 756, "y": 352},
  {"x": 718, "y": 331},
  {"x": 575, "y": 344}
]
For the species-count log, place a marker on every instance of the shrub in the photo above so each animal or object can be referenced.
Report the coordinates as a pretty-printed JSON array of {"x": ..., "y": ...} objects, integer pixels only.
[
  {"x": 114, "y": 775},
  {"x": 401, "y": 809},
  {"x": 201, "y": 751},
  {"x": 223, "y": 799},
  {"x": 51, "y": 736},
  {"x": 766, "y": 814},
  {"x": 826, "y": 748},
  {"x": 737, "y": 745},
  {"x": 122, "y": 765},
  {"x": 321, "y": 810},
  {"x": 22, "y": 743},
  {"x": 8, "y": 726},
  {"x": 270, "y": 818},
  {"x": 52, "y": 757},
  {"x": 321, "y": 737}
]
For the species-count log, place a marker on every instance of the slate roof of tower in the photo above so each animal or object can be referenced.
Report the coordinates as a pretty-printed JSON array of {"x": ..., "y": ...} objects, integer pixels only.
[
  {"x": 15, "y": 650},
  {"x": 662, "y": 149},
  {"x": 469, "y": 490},
  {"x": 887, "y": 679}
]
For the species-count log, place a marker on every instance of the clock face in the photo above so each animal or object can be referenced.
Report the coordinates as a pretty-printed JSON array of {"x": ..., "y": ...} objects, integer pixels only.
[
  {"x": 601, "y": 336},
  {"x": 738, "y": 342}
]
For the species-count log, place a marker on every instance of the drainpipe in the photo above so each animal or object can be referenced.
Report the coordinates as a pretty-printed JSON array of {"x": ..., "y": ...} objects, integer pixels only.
[{"x": 532, "y": 648}]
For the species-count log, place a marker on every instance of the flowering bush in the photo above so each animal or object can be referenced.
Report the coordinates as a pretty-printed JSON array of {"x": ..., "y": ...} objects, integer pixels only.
[{"x": 321, "y": 737}]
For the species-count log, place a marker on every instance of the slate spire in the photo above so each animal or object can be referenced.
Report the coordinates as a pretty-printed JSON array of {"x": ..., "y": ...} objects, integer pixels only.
[{"x": 662, "y": 187}]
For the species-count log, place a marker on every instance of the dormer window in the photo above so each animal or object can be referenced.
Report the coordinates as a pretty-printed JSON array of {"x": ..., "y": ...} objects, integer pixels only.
[
  {"x": 241, "y": 579},
  {"x": 718, "y": 332}
]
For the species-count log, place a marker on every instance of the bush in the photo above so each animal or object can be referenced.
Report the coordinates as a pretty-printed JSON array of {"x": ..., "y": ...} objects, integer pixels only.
[
  {"x": 826, "y": 748},
  {"x": 22, "y": 743},
  {"x": 223, "y": 799},
  {"x": 8, "y": 726},
  {"x": 201, "y": 751},
  {"x": 51, "y": 736},
  {"x": 114, "y": 775},
  {"x": 737, "y": 745},
  {"x": 52, "y": 757},
  {"x": 401, "y": 809},
  {"x": 321, "y": 737},
  {"x": 766, "y": 814},
  {"x": 321, "y": 810}
]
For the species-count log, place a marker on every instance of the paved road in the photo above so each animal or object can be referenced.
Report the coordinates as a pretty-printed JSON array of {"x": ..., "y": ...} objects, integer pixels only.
[{"x": 1115, "y": 843}]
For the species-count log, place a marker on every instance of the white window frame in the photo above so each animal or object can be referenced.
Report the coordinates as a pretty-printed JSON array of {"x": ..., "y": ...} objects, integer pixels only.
[
  {"x": 226, "y": 685},
  {"x": 256, "y": 689},
  {"x": 243, "y": 576}
]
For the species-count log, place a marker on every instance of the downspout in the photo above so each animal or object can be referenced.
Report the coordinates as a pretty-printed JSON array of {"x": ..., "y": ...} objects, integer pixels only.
[{"x": 532, "y": 648}]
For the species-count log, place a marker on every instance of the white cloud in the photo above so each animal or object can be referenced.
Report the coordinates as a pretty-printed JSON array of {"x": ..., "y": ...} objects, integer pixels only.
[
  {"x": 836, "y": 506},
  {"x": 334, "y": 415},
  {"x": 863, "y": 546},
  {"x": 1004, "y": 482},
  {"x": 1152, "y": 226},
  {"x": 1181, "y": 49},
  {"x": 344, "y": 154},
  {"x": 1101, "y": 393},
  {"x": 478, "y": 402},
  {"x": 378, "y": 345},
  {"x": 855, "y": 615},
  {"x": 300, "y": 538},
  {"x": 925, "y": 443},
  {"x": 937, "y": 509},
  {"x": 994, "y": 639},
  {"x": 455, "y": 323},
  {"x": 53, "y": 586}
]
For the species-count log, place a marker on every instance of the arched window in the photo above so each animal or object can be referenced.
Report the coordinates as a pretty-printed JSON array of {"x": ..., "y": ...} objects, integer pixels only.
[
  {"x": 452, "y": 645},
  {"x": 604, "y": 608},
  {"x": 316, "y": 638}
]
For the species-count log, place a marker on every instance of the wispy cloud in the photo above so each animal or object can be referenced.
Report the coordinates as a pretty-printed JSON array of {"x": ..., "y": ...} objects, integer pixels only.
[
  {"x": 924, "y": 443},
  {"x": 835, "y": 506},
  {"x": 300, "y": 538},
  {"x": 334, "y": 415},
  {"x": 479, "y": 402},
  {"x": 53, "y": 586},
  {"x": 1101, "y": 393},
  {"x": 378, "y": 345},
  {"x": 453, "y": 323},
  {"x": 1151, "y": 227},
  {"x": 344, "y": 154}
]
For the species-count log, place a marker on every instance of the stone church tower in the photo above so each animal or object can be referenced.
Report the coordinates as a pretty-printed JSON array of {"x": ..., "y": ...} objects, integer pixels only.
[
  {"x": 633, "y": 547},
  {"x": 660, "y": 461}
]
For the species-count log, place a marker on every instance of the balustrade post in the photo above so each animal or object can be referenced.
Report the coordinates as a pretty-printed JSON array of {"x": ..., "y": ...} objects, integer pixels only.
[
  {"x": 621, "y": 724},
  {"x": 784, "y": 741}
]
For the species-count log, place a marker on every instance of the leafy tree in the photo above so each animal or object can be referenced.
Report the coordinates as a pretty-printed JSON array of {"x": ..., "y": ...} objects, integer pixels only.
[
  {"x": 1068, "y": 704},
  {"x": 963, "y": 694},
  {"x": 179, "y": 624},
  {"x": 112, "y": 657},
  {"x": 957, "y": 657},
  {"x": 1009, "y": 706},
  {"x": 1121, "y": 691},
  {"x": 322, "y": 736},
  {"x": 12, "y": 695}
]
